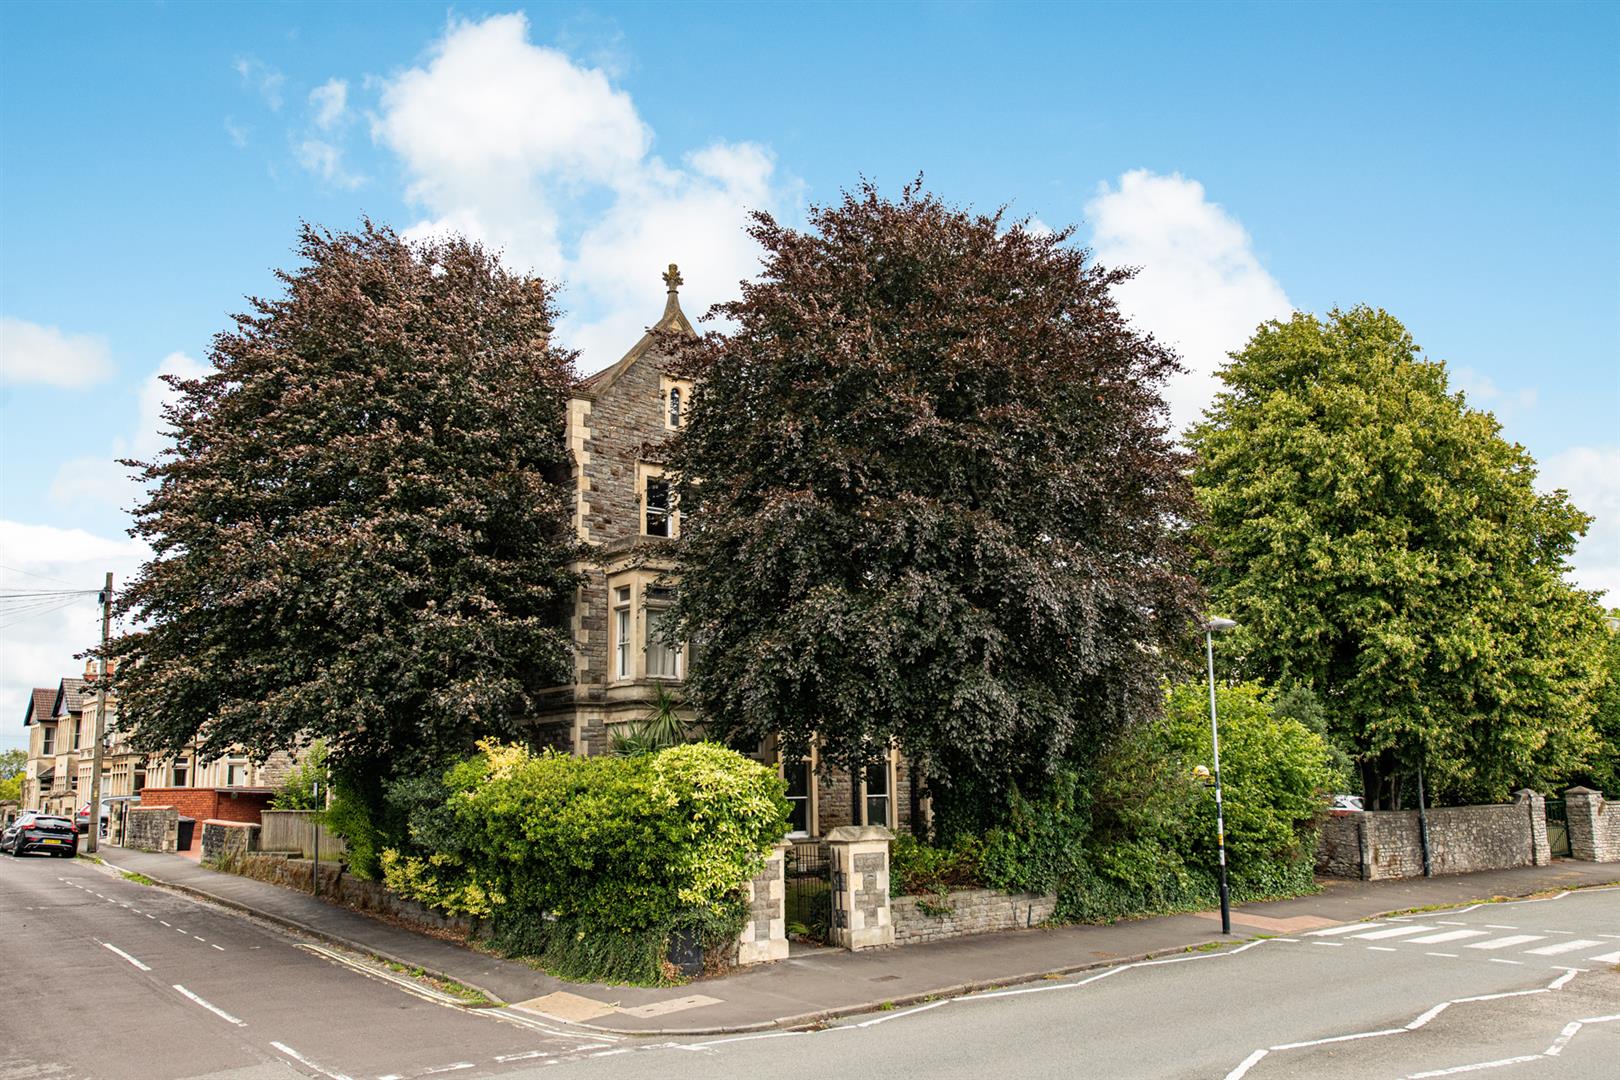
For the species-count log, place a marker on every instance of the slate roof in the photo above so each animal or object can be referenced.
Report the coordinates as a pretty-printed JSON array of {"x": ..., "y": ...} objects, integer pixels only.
[
  {"x": 70, "y": 697},
  {"x": 673, "y": 319},
  {"x": 40, "y": 705}
]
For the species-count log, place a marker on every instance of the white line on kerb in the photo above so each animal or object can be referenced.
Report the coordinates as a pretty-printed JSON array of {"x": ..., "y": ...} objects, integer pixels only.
[
  {"x": 125, "y": 955},
  {"x": 302, "y": 1060},
  {"x": 448, "y": 1068},
  {"x": 215, "y": 1009}
]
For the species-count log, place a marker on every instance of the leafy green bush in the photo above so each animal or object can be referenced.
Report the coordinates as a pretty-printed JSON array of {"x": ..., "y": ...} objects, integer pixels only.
[
  {"x": 1133, "y": 831},
  {"x": 916, "y": 867},
  {"x": 588, "y": 864},
  {"x": 298, "y": 791}
]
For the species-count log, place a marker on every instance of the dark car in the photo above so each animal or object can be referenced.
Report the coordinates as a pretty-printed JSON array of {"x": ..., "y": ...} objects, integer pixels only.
[{"x": 40, "y": 832}]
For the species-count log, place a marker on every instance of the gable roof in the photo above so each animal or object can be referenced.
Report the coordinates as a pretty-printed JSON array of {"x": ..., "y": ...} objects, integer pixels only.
[
  {"x": 41, "y": 704},
  {"x": 673, "y": 319},
  {"x": 70, "y": 697}
]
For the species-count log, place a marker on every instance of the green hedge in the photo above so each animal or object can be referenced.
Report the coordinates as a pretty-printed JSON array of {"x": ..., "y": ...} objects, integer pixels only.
[
  {"x": 588, "y": 864},
  {"x": 1132, "y": 832}
]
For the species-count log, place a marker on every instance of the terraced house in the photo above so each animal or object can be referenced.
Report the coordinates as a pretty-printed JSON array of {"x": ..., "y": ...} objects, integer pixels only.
[{"x": 619, "y": 421}]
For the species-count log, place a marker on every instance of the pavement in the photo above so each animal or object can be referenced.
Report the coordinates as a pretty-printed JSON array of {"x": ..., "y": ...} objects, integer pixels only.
[{"x": 816, "y": 986}]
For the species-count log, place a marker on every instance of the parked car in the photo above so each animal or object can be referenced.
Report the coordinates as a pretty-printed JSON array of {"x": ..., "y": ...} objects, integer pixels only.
[
  {"x": 41, "y": 832},
  {"x": 82, "y": 819},
  {"x": 1346, "y": 804}
]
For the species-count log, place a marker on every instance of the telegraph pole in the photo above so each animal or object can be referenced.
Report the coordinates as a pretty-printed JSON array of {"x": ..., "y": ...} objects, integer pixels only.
[{"x": 101, "y": 718}]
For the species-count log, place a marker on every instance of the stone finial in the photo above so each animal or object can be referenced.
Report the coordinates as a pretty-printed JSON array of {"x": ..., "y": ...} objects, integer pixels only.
[{"x": 672, "y": 278}]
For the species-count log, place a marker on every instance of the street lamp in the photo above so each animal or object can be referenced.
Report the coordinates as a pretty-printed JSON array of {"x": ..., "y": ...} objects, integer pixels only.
[{"x": 1211, "y": 628}]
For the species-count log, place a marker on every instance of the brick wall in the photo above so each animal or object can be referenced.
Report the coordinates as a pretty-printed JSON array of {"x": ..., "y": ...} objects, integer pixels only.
[
  {"x": 970, "y": 911},
  {"x": 1380, "y": 844},
  {"x": 201, "y": 804}
]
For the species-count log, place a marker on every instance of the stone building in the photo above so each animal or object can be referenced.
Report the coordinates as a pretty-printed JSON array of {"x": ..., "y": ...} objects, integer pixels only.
[{"x": 619, "y": 421}]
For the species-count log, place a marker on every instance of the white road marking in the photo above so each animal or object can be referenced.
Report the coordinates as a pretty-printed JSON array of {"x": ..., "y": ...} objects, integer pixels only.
[
  {"x": 1606, "y": 958},
  {"x": 1335, "y": 944},
  {"x": 1449, "y": 935},
  {"x": 1248, "y": 1063},
  {"x": 1499, "y": 926},
  {"x": 1506, "y": 942},
  {"x": 125, "y": 955},
  {"x": 459, "y": 1066},
  {"x": 1499, "y": 960},
  {"x": 302, "y": 1060},
  {"x": 202, "y": 939},
  {"x": 1446, "y": 922},
  {"x": 898, "y": 1015},
  {"x": 1345, "y": 929},
  {"x": 1398, "y": 931},
  {"x": 1381, "y": 948},
  {"x": 527, "y": 1055},
  {"x": 1569, "y": 1032},
  {"x": 1450, "y": 955},
  {"x": 1563, "y": 947},
  {"x": 163, "y": 921},
  {"x": 1500, "y": 1063},
  {"x": 215, "y": 1009},
  {"x": 213, "y": 946}
]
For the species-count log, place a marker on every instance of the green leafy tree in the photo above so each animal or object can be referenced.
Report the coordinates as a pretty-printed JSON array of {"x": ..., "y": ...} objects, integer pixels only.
[
  {"x": 360, "y": 524},
  {"x": 1380, "y": 543},
  {"x": 931, "y": 499},
  {"x": 13, "y": 765},
  {"x": 306, "y": 785},
  {"x": 1603, "y": 770}
]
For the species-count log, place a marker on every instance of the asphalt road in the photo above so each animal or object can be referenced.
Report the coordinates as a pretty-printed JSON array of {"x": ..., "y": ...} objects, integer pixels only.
[
  {"x": 180, "y": 989},
  {"x": 106, "y": 978}
]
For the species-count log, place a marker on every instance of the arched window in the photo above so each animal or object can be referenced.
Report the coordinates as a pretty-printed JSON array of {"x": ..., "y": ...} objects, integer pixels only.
[{"x": 674, "y": 406}]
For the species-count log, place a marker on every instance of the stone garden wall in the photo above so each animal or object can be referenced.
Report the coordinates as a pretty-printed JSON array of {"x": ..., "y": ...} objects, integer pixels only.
[
  {"x": 1594, "y": 825},
  {"x": 226, "y": 842},
  {"x": 1379, "y": 844},
  {"x": 152, "y": 828},
  {"x": 966, "y": 911}
]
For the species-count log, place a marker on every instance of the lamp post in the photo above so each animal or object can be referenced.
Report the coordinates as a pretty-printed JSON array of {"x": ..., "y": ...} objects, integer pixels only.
[{"x": 1211, "y": 628}]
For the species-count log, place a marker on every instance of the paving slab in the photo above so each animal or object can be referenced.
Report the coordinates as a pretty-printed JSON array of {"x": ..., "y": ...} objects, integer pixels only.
[{"x": 821, "y": 984}]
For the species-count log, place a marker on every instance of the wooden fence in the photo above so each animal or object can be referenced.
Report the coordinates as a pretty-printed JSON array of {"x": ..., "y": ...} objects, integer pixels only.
[{"x": 292, "y": 830}]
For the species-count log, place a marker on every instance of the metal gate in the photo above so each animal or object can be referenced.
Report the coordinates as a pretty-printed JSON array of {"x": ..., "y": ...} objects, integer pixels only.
[
  {"x": 808, "y": 896},
  {"x": 1557, "y": 827}
]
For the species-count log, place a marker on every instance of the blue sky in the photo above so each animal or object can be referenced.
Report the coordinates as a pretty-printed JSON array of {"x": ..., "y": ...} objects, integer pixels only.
[{"x": 1455, "y": 164}]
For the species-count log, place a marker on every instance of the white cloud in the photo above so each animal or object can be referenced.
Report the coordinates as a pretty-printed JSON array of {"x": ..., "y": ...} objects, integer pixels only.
[
  {"x": 1483, "y": 393},
  {"x": 1591, "y": 475},
  {"x": 238, "y": 132},
  {"x": 1201, "y": 288},
  {"x": 328, "y": 103},
  {"x": 101, "y": 480},
  {"x": 31, "y": 353},
  {"x": 548, "y": 161},
  {"x": 39, "y": 636},
  {"x": 326, "y": 161},
  {"x": 263, "y": 79}
]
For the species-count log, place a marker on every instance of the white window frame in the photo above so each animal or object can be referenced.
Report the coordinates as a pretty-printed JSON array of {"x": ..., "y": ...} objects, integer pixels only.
[
  {"x": 677, "y": 654},
  {"x": 891, "y": 775},
  {"x": 47, "y": 741},
  {"x": 644, "y": 474},
  {"x": 675, "y": 397},
  {"x": 174, "y": 771},
  {"x": 623, "y": 632},
  {"x": 812, "y": 803}
]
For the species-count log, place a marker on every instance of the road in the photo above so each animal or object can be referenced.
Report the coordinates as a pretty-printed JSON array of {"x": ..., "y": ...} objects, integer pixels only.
[
  {"x": 106, "y": 978},
  {"x": 1515, "y": 990}
]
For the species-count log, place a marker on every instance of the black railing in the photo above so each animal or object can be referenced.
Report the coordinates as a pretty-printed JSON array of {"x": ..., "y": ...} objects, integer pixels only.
[{"x": 808, "y": 896}]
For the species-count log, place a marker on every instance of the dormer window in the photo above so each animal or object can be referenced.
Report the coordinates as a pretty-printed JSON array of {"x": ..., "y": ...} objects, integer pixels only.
[{"x": 674, "y": 418}]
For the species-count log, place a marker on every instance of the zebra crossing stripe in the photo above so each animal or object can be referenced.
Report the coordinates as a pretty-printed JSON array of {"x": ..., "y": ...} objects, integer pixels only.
[
  {"x": 1345, "y": 929},
  {"x": 1606, "y": 958},
  {"x": 1507, "y": 942},
  {"x": 1394, "y": 931},
  {"x": 1449, "y": 935},
  {"x": 1563, "y": 947}
]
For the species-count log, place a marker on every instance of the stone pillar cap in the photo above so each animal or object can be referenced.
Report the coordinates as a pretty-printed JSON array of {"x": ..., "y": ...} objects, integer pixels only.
[
  {"x": 849, "y": 833},
  {"x": 1582, "y": 791}
]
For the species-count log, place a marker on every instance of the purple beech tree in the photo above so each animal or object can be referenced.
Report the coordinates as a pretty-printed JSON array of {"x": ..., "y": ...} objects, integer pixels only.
[
  {"x": 360, "y": 525},
  {"x": 930, "y": 499}
]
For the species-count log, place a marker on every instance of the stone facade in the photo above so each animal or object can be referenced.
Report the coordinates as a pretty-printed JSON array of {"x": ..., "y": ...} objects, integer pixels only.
[
  {"x": 226, "y": 842},
  {"x": 152, "y": 828},
  {"x": 1594, "y": 826},
  {"x": 917, "y": 919},
  {"x": 1379, "y": 844},
  {"x": 618, "y": 421},
  {"x": 764, "y": 935}
]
